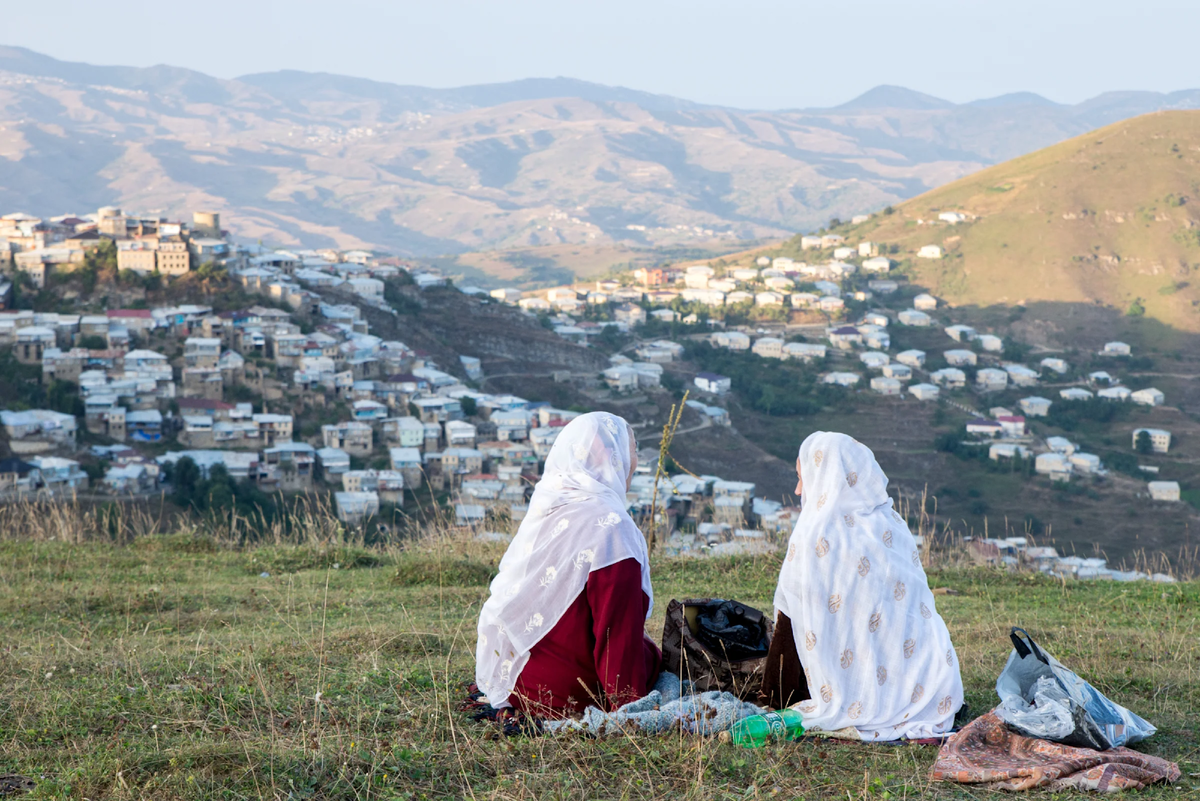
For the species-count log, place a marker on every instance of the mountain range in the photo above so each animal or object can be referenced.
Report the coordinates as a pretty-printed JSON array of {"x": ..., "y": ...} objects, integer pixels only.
[{"x": 320, "y": 160}]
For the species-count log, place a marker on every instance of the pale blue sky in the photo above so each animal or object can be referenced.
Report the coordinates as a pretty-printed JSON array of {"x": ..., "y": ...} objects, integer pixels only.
[{"x": 745, "y": 53}]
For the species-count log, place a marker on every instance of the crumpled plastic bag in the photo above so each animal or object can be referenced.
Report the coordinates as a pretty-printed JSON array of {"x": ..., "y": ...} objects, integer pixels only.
[
  {"x": 1040, "y": 697},
  {"x": 670, "y": 705}
]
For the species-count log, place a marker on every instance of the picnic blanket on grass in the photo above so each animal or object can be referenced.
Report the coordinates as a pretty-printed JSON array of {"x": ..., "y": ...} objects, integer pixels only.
[
  {"x": 671, "y": 705},
  {"x": 987, "y": 752}
]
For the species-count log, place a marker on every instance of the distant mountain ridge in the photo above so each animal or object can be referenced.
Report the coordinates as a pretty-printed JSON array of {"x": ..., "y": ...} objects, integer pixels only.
[{"x": 316, "y": 159}]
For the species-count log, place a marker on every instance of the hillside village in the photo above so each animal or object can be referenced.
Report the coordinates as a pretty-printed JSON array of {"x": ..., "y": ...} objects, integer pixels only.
[
  {"x": 293, "y": 392},
  {"x": 836, "y": 312}
]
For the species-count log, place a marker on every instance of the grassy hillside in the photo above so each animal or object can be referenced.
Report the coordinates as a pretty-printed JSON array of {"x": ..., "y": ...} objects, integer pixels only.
[
  {"x": 1111, "y": 217},
  {"x": 175, "y": 671}
]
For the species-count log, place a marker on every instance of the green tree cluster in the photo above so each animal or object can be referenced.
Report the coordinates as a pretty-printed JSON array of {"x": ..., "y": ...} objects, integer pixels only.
[{"x": 779, "y": 389}]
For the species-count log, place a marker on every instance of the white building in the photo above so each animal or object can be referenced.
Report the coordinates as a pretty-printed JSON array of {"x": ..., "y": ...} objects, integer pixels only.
[
  {"x": 1060, "y": 445},
  {"x": 1021, "y": 375},
  {"x": 901, "y": 372},
  {"x": 877, "y": 338},
  {"x": 879, "y": 264},
  {"x": 1148, "y": 397},
  {"x": 706, "y": 297},
  {"x": 924, "y": 391},
  {"x": 1115, "y": 393},
  {"x": 355, "y": 507},
  {"x": 1007, "y": 450},
  {"x": 990, "y": 379},
  {"x": 845, "y": 337},
  {"x": 914, "y": 318},
  {"x": 1164, "y": 490},
  {"x": 913, "y": 358},
  {"x": 804, "y": 300},
  {"x": 925, "y": 302},
  {"x": 841, "y": 379},
  {"x": 733, "y": 340},
  {"x": 40, "y": 424},
  {"x": 1055, "y": 465},
  {"x": 768, "y": 347},
  {"x": 714, "y": 383},
  {"x": 886, "y": 386},
  {"x": 960, "y": 333},
  {"x": 1116, "y": 349},
  {"x": 949, "y": 377},
  {"x": 873, "y": 359},
  {"x": 1075, "y": 394},
  {"x": 991, "y": 343},
  {"x": 621, "y": 378},
  {"x": 768, "y": 299},
  {"x": 929, "y": 252},
  {"x": 1086, "y": 463},
  {"x": 960, "y": 357},
  {"x": 506, "y": 295},
  {"x": 1035, "y": 406},
  {"x": 1057, "y": 365},
  {"x": 804, "y": 351},
  {"x": 1160, "y": 439}
]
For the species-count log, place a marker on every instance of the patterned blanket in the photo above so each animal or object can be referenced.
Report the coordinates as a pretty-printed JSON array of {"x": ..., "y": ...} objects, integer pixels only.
[{"x": 986, "y": 752}]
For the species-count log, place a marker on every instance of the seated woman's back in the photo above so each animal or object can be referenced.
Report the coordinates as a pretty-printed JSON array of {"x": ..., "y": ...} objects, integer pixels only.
[
  {"x": 875, "y": 653},
  {"x": 563, "y": 625}
]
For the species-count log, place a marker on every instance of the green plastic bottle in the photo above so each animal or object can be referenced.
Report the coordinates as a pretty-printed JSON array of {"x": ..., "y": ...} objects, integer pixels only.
[{"x": 755, "y": 731}]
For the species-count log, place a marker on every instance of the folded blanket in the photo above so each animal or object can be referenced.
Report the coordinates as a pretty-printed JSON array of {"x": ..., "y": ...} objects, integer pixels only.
[
  {"x": 986, "y": 752},
  {"x": 670, "y": 705}
]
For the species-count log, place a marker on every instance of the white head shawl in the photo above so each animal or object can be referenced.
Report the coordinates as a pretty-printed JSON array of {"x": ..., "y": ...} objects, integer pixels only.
[
  {"x": 876, "y": 654},
  {"x": 577, "y": 522}
]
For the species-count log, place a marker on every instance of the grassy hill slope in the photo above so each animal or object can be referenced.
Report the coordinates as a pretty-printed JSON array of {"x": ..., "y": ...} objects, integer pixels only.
[{"x": 1110, "y": 217}]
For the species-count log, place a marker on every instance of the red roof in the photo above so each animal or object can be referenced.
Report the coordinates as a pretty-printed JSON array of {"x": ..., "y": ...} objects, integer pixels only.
[
  {"x": 1016, "y": 418},
  {"x": 143, "y": 314}
]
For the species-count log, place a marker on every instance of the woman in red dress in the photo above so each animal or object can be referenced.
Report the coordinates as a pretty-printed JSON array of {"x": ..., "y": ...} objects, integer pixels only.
[{"x": 563, "y": 627}]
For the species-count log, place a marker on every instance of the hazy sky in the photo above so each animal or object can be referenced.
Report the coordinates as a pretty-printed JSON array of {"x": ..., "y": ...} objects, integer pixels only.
[{"x": 745, "y": 53}]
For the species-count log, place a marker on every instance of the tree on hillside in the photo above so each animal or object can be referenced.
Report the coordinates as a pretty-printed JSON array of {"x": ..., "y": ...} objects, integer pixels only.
[
  {"x": 1144, "y": 445},
  {"x": 93, "y": 342}
]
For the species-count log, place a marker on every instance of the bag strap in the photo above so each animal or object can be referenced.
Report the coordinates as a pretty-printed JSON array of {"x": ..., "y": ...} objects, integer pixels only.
[{"x": 1024, "y": 650}]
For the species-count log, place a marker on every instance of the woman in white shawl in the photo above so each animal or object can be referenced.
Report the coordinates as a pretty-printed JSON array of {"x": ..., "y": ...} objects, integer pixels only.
[
  {"x": 564, "y": 624},
  {"x": 854, "y": 607}
]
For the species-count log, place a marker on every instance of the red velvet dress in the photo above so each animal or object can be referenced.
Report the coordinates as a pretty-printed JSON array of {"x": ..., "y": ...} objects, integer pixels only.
[{"x": 597, "y": 653}]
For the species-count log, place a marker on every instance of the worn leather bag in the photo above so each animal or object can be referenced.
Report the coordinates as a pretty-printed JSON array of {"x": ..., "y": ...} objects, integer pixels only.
[{"x": 717, "y": 645}]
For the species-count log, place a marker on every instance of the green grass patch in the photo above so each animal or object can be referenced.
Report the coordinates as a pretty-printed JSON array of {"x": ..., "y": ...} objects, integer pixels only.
[
  {"x": 294, "y": 558},
  {"x": 1191, "y": 496},
  {"x": 150, "y": 673},
  {"x": 423, "y": 570}
]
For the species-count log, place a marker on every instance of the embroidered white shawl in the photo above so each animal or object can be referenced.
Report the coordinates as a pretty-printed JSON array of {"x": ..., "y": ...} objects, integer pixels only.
[
  {"x": 876, "y": 654},
  {"x": 577, "y": 522}
]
